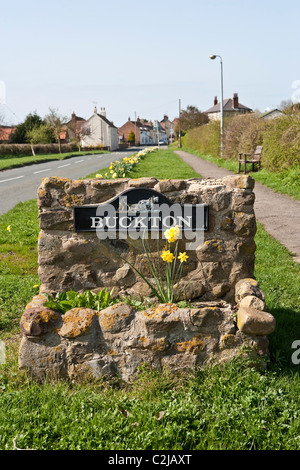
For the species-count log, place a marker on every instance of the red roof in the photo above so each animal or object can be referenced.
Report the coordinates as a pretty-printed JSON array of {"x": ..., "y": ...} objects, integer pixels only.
[{"x": 5, "y": 132}]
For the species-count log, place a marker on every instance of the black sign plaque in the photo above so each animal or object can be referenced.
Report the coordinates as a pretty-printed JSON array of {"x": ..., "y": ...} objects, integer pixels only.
[{"x": 140, "y": 209}]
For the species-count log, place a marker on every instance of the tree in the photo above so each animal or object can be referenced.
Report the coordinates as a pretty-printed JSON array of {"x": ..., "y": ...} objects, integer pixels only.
[
  {"x": 131, "y": 137},
  {"x": 192, "y": 117},
  {"x": 56, "y": 122},
  {"x": 32, "y": 121},
  {"x": 40, "y": 135},
  {"x": 77, "y": 131}
]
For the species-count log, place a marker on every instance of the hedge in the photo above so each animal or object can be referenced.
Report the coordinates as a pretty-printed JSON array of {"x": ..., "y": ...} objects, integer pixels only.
[{"x": 280, "y": 138}]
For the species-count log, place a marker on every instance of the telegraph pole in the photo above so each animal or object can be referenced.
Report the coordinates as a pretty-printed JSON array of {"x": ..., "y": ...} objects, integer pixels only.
[{"x": 179, "y": 128}]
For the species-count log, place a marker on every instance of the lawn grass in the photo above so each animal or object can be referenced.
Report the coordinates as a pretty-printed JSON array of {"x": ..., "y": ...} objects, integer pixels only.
[
  {"x": 162, "y": 164},
  {"x": 286, "y": 182},
  {"x": 229, "y": 407},
  {"x": 8, "y": 161}
]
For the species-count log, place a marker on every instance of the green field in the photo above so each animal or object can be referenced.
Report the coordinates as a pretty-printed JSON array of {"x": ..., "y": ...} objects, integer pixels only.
[{"x": 229, "y": 407}]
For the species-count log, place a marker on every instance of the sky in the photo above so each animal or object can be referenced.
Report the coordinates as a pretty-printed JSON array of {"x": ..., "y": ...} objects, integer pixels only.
[{"x": 138, "y": 58}]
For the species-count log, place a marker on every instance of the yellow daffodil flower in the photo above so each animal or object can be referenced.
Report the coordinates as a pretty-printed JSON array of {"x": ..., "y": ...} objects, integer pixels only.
[
  {"x": 172, "y": 234},
  {"x": 167, "y": 256},
  {"x": 8, "y": 228},
  {"x": 182, "y": 257},
  {"x": 99, "y": 176}
]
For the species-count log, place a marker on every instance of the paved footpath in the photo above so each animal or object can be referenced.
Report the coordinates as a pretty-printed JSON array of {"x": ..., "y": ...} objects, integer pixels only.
[{"x": 279, "y": 214}]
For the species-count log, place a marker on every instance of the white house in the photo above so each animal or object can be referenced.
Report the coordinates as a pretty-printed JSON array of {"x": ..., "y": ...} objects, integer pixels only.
[
  {"x": 271, "y": 114},
  {"x": 159, "y": 134},
  {"x": 145, "y": 135},
  {"x": 100, "y": 131}
]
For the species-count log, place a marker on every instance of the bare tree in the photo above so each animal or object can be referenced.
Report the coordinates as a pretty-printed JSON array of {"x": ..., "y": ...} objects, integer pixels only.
[
  {"x": 56, "y": 121},
  {"x": 77, "y": 131}
]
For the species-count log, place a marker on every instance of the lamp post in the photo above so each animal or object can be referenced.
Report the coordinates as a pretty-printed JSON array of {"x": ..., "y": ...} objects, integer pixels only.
[{"x": 213, "y": 56}]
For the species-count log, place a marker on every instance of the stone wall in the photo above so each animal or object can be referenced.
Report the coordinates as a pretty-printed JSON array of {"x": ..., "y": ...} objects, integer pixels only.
[
  {"x": 227, "y": 316},
  {"x": 80, "y": 261},
  {"x": 114, "y": 343}
]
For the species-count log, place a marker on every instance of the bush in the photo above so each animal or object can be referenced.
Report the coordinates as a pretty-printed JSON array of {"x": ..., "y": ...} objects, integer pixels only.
[
  {"x": 205, "y": 138},
  {"x": 40, "y": 149},
  {"x": 242, "y": 133},
  {"x": 281, "y": 143}
]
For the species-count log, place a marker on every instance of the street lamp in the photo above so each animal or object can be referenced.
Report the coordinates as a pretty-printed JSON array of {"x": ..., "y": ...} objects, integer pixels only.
[{"x": 213, "y": 57}]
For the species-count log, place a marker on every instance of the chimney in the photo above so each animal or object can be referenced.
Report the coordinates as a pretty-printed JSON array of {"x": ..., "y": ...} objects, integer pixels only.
[
  {"x": 95, "y": 110},
  {"x": 235, "y": 101},
  {"x": 215, "y": 100},
  {"x": 103, "y": 112}
]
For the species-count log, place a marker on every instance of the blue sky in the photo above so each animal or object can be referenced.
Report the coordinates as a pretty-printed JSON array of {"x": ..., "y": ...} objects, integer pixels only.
[{"x": 142, "y": 57}]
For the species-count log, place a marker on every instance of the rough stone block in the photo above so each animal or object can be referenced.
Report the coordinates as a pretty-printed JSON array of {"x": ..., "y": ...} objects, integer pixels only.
[{"x": 255, "y": 322}]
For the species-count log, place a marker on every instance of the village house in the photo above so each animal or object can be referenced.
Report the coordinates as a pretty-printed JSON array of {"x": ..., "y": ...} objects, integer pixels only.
[
  {"x": 74, "y": 127},
  {"x": 130, "y": 127},
  {"x": 141, "y": 128},
  {"x": 159, "y": 134},
  {"x": 5, "y": 133},
  {"x": 271, "y": 114},
  {"x": 231, "y": 107},
  {"x": 99, "y": 131},
  {"x": 168, "y": 128}
]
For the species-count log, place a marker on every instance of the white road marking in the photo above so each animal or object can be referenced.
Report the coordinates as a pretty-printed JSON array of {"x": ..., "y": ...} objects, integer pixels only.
[
  {"x": 11, "y": 179},
  {"x": 41, "y": 171},
  {"x": 79, "y": 161},
  {"x": 63, "y": 166}
]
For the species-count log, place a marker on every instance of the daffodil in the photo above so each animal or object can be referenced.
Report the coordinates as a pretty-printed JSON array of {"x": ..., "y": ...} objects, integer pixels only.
[
  {"x": 99, "y": 176},
  {"x": 167, "y": 256},
  {"x": 182, "y": 257},
  {"x": 172, "y": 234},
  {"x": 114, "y": 175},
  {"x": 8, "y": 228}
]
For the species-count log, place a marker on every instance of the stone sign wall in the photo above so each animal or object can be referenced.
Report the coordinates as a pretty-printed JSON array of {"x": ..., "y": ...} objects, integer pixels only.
[
  {"x": 227, "y": 312},
  {"x": 80, "y": 261}
]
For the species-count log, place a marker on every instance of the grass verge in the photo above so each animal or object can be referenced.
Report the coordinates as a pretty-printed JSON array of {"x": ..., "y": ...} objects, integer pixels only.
[
  {"x": 8, "y": 162},
  {"x": 286, "y": 182},
  {"x": 163, "y": 164},
  {"x": 229, "y": 407}
]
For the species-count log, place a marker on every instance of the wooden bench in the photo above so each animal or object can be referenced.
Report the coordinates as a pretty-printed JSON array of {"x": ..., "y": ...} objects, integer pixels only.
[{"x": 253, "y": 158}]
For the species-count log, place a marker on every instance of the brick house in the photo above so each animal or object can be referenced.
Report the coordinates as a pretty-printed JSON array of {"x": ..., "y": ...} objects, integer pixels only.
[
  {"x": 231, "y": 107},
  {"x": 5, "y": 133},
  {"x": 73, "y": 127},
  {"x": 168, "y": 128},
  {"x": 127, "y": 128}
]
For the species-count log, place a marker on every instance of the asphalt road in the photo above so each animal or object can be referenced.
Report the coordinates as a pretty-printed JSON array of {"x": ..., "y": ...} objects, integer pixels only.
[{"x": 21, "y": 184}]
